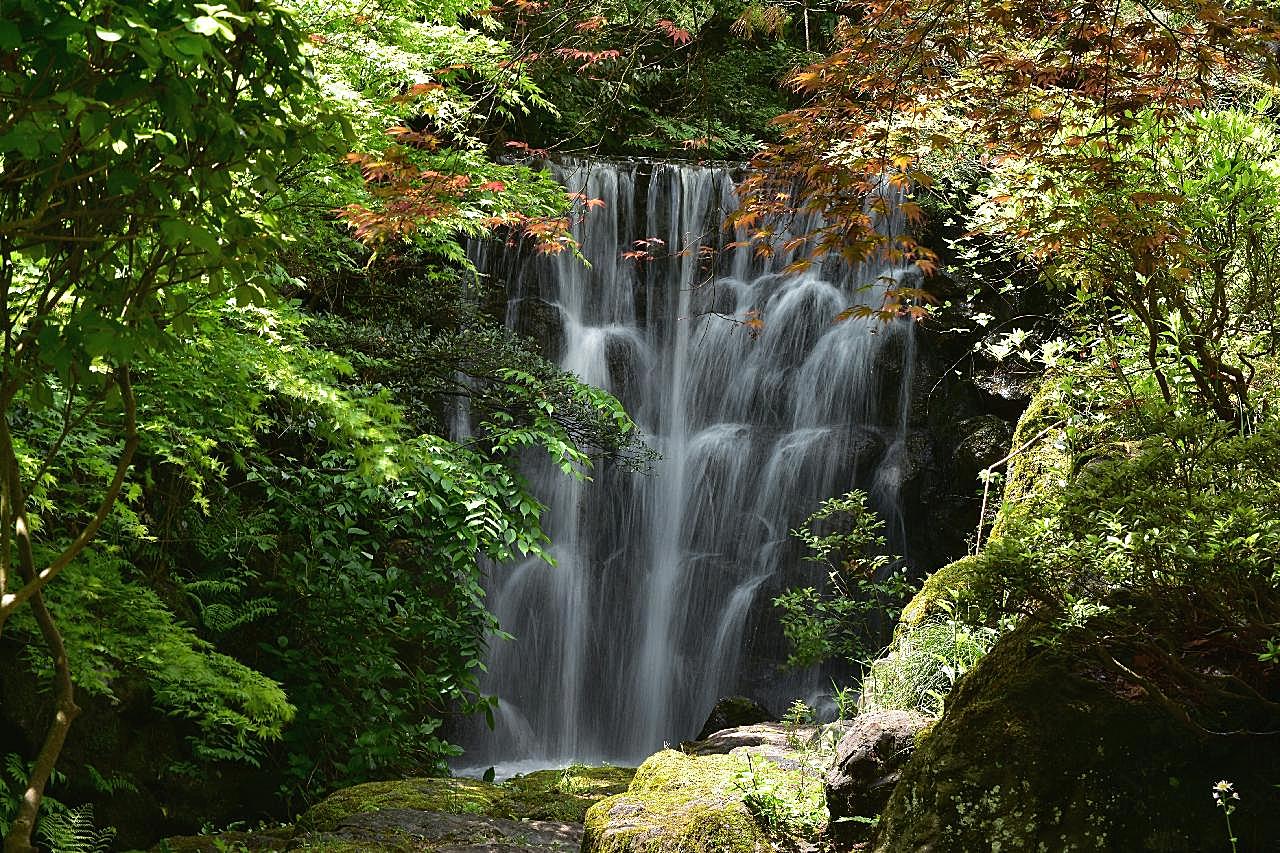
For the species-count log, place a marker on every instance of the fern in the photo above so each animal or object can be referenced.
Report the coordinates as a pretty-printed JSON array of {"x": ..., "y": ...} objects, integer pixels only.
[
  {"x": 13, "y": 781},
  {"x": 221, "y": 618},
  {"x": 113, "y": 784},
  {"x": 74, "y": 831}
]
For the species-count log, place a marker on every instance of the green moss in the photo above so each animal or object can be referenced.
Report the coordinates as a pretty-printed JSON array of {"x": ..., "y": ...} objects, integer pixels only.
[
  {"x": 342, "y": 845},
  {"x": 925, "y": 731},
  {"x": 1036, "y": 475},
  {"x": 227, "y": 842},
  {"x": 455, "y": 796},
  {"x": 1039, "y": 751},
  {"x": 1034, "y": 479},
  {"x": 943, "y": 584},
  {"x": 680, "y": 803},
  {"x": 557, "y": 795},
  {"x": 560, "y": 795}
]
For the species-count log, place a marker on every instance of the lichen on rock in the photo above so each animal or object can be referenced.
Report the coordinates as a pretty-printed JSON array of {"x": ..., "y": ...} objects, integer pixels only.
[
  {"x": 560, "y": 795},
  {"x": 1040, "y": 750}
]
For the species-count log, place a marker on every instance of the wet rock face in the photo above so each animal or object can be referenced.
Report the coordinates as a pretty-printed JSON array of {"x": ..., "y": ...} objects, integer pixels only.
[
  {"x": 984, "y": 441},
  {"x": 732, "y": 712},
  {"x": 542, "y": 322},
  {"x": 869, "y": 759},
  {"x": 1040, "y": 749}
]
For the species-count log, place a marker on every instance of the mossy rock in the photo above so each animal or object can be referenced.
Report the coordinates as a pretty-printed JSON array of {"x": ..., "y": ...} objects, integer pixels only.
[
  {"x": 560, "y": 795},
  {"x": 413, "y": 831},
  {"x": 552, "y": 795},
  {"x": 1034, "y": 479},
  {"x": 733, "y": 712},
  {"x": 681, "y": 803},
  {"x": 1041, "y": 749},
  {"x": 226, "y": 842},
  {"x": 953, "y": 578},
  {"x": 453, "y": 796},
  {"x": 1037, "y": 474}
]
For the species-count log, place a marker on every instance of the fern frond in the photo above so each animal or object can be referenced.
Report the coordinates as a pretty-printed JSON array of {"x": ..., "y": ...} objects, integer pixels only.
[{"x": 74, "y": 831}]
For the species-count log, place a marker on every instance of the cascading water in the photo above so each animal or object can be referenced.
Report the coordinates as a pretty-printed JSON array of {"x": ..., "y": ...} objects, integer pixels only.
[{"x": 659, "y": 599}]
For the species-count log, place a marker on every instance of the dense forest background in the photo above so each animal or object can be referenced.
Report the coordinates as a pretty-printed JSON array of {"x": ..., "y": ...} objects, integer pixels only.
[
  {"x": 239, "y": 318},
  {"x": 236, "y": 539}
]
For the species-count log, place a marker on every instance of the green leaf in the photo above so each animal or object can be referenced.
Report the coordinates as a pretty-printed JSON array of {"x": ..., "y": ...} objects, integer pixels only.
[
  {"x": 10, "y": 35},
  {"x": 107, "y": 35}
]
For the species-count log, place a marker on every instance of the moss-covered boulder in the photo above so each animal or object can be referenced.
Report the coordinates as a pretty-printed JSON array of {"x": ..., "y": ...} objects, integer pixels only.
[
  {"x": 1034, "y": 477},
  {"x": 1040, "y": 463},
  {"x": 1042, "y": 748},
  {"x": 227, "y": 842},
  {"x": 554, "y": 795},
  {"x": 681, "y": 803},
  {"x": 413, "y": 831},
  {"x": 560, "y": 795},
  {"x": 451, "y": 796},
  {"x": 676, "y": 803}
]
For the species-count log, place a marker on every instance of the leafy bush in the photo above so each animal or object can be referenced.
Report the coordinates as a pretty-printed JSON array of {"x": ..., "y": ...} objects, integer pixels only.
[{"x": 852, "y": 617}]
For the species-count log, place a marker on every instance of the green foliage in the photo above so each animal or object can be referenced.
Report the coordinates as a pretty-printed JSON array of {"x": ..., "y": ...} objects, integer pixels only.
[
  {"x": 115, "y": 192},
  {"x": 112, "y": 626},
  {"x": 923, "y": 664},
  {"x": 1187, "y": 243},
  {"x": 657, "y": 78},
  {"x": 74, "y": 831},
  {"x": 852, "y": 617},
  {"x": 15, "y": 773},
  {"x": 380, "y": 625},
  {"x": 787, "y": 807}
]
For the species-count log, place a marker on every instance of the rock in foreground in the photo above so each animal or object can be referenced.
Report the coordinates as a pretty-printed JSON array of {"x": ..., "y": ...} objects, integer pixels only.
[
  {"x": 869, "y": 760},
  {"x": 412, "y": 831},
  {"x": 1040, "y": 749},
  {"x": 746, "y": 801},
  {"x": 677, "y": 803},
  {"x": 539, "y": 812}
]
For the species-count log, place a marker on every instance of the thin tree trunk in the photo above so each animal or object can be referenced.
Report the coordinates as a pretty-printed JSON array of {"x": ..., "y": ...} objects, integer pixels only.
[{"x": 18, "y": 839}]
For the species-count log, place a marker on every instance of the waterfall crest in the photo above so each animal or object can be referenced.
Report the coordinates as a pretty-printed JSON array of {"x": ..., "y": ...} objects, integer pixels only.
[{"x": 659, "y": 600}]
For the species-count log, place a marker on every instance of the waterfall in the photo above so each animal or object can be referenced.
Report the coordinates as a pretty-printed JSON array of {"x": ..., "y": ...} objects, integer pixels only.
[{"x": 659, "y": 601}]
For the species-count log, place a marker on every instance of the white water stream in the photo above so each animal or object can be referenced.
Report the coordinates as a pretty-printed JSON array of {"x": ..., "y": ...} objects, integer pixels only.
[{"x": 659, "y": 600}]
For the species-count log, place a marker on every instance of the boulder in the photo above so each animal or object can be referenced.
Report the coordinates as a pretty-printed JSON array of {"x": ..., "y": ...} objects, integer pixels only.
[
  {"x": 676, "y": 803},
  {"x": 732, "y": 712},
  {"x": 452, "y": 796},
  {"x": 1042, "y": 747},
  {"x": 249, "y": 842},
  {"x": 868, "y": 761},
  {"x": 414, "y": 831},
  {"x": 681, "y": 803},
  {"x": 560, "y": 795},
  {"x": 551, "y": 795},
  {"x": 539, "y": 812},
  {"x": 789, "y": 747}
]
